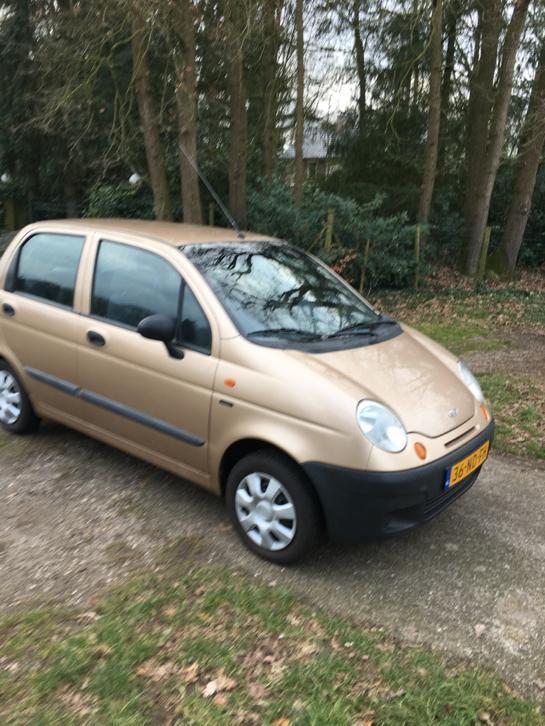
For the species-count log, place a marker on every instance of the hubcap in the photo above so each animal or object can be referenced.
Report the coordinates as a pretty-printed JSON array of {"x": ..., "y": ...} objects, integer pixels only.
[
  {"x": 10, "y": 398},
  {"x": 265, "y": 511}
]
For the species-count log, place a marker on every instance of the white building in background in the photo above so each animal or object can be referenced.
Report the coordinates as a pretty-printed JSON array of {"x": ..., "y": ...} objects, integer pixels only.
[{"x": 317, "y": 155}]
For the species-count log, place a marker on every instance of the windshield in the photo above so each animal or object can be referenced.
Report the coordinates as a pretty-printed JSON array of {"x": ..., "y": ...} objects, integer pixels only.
[{"x": 273, "y": 290}]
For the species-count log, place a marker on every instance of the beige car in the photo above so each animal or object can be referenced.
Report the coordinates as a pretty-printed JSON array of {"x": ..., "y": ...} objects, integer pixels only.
[{"x": 242, "y": 364}]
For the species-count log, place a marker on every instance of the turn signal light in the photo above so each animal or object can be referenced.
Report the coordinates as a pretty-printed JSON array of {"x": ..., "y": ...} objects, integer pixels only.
[
  {"x": 420, "y": 450},
  {"x": 485, "y": 412},
  {"x": 230, "y": 382}
]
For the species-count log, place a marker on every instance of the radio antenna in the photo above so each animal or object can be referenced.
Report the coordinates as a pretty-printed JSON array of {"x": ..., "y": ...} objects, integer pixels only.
[{"x": 212, "y": 191}]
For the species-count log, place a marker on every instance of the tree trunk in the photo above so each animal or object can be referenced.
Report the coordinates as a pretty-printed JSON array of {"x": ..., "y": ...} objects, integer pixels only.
[
  {"x": 239, "y": 130},
  {"x": 504, "y": 260},
  {"x": 299, "y": 106},
  {"x": 416, "y": 86},
  {"x": 434, "y": 114},
  {"x": 186, "y": 103},
  {"x": 414, "y": 91},
  {"x": 487, "y": 176},
  {"x": 150, "y": 125},
  {"x": 480, "y": 105},
  {"x": 71, "y": 204},
  {"x": 360, "y": 62},
  {"x": 477, "y": 42},
  {"x": 451, "y": 15},
  {"x": 273, "y": 12}
]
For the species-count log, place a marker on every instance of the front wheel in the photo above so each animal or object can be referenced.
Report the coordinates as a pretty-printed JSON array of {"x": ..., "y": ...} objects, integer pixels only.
[
  {"x": 16, "y": 413},
  {"x": 273, "y": 508}
]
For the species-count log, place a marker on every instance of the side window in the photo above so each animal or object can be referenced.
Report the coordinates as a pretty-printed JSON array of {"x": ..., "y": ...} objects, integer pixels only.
[
  {"x": 47, "y": 266},
  {"x": 194, "y": 328},
  {"x": 131, "y": 283}
]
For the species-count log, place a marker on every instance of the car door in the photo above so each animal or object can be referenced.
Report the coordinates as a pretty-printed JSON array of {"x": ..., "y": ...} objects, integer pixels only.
[
  {"x": 131, "y": 387},
  {"x": 39, "y": 325}
]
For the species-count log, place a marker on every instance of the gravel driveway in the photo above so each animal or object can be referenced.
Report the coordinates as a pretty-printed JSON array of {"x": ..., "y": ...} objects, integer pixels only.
[{"x": 77, "y": 516}]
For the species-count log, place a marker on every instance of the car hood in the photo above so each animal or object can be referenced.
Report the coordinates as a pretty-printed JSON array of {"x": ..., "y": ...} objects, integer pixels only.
[{"x": 407, "y": 374}]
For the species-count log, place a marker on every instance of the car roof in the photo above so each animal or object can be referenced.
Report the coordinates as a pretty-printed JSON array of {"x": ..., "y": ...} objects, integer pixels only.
[{"x": 173, "y": 233}]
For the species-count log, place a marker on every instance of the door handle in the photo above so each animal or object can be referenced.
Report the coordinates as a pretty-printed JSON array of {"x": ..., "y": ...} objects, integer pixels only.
[
  {"x": 96, "y": 338},
  {"x": 7, "y": 309}
]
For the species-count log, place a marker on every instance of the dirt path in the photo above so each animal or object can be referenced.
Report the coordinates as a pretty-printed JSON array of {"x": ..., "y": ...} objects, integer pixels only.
[
  {"x": 525, "y": 354},
  {"x": 77, "y": 516}
]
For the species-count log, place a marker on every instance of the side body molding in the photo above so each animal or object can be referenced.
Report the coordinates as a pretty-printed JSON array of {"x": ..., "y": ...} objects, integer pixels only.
[{"x": 115, "y": 407}]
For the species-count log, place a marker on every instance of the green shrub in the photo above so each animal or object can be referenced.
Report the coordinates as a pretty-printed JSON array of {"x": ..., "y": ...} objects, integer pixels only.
[
  {"x": 120, "y": 200},
  {"x": 271, "y": 211},
  {"x": 391, "y": 255}
]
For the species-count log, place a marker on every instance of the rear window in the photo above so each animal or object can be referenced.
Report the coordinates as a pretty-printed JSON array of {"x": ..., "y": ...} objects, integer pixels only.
[{"x": 47, "y": 267}]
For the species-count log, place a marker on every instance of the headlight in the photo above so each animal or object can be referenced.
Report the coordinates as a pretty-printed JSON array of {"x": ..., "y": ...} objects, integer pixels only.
[
  {"x": 381, "y": 426},
  {"x": 471, "y": 382}
]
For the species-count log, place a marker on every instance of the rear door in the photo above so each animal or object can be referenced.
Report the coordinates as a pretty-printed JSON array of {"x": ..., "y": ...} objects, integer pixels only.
[
  {"x": 39, "y": 325},
  {"x": 131, "y": 387}
]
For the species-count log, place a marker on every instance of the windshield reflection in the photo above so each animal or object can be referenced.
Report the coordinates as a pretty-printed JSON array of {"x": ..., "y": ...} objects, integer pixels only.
[{"x": 277, "y": 291}]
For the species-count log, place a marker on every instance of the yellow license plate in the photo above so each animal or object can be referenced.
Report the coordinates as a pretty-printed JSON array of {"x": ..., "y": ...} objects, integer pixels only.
[{"x": 466, "y": 466}]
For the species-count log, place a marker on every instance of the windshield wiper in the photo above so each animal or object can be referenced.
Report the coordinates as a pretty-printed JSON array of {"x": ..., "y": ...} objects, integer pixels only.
[
  {"x": 362, "y": 328},
  {"x": 350, "y": 330},
  {"x": 283, "y": 331}
]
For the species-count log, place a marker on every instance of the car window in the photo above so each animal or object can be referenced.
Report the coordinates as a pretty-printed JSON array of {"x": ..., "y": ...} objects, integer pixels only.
[
  {"x": 47, "y": 266},
  {"x": 194, "y": 329},
  {"x": 131, "y": 283}
]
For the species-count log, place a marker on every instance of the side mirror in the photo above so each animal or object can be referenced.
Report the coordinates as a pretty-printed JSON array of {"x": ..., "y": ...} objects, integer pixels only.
[{"x": 162, "y": 328}]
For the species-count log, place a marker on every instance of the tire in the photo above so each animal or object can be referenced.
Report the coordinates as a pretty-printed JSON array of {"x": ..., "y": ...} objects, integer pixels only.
[
  {"x": 16, "y": 413},
  {"x": 257, "y": 487}
]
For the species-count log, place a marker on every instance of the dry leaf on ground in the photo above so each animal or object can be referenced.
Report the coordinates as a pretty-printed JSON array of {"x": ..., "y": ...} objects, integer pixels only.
[{"x": 218, "y": 684}]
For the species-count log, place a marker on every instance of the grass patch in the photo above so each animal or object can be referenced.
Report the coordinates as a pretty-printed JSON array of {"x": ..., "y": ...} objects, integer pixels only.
[
  {"x": 463, "y": 338},
  {"x": 211, "y": 646},
  {"x": 468, "y": 320},
  {"x": 461, "y": 324},
  {"x": 519, "y": 409}
]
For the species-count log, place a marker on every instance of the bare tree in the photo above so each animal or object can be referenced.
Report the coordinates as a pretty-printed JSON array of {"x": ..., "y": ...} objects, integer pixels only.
[
  {"x": 272, "y": 26},
  {"x": 235, "y": 29},
  {"x": 299, "y": 105},
  {"x": 452, "y": 14},
  {"x": 480, "y": 102},
  {"x": 434, "y": 114},
  {"x": 485, "y": 176},
  {"x": 415, "y": 70},
  {"x": 148, "y": 119},
  {"x": 504, "y": 259},
  {"x": 360, "y": 61},
  {"x": 186, "y": 103}
]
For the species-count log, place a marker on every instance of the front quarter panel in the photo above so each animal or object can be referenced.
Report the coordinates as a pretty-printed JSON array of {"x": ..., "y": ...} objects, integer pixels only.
[{"x": 279, "y": 400}]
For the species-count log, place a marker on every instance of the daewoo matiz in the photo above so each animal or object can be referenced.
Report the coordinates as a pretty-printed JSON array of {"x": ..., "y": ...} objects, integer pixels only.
[{"x": 244, "y": 365}]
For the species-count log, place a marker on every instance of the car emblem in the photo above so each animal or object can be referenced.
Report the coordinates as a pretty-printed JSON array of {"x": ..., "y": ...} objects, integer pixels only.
[{"x": 453, "y": 412}]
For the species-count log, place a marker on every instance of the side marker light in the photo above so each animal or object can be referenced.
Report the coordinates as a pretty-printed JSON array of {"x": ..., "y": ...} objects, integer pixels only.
[{"x": 420, "y": 450}]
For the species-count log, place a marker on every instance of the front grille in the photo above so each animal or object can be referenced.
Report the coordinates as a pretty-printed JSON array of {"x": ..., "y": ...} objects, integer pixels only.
[
  {"x": 436, "y": 504},
  {"x": 459, "y": 438}
]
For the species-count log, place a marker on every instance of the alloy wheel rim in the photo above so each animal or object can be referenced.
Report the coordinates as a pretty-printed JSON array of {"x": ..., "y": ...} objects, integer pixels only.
[
  {"x": 265, "y": 511},
  {"x": 10, "y": 398}
]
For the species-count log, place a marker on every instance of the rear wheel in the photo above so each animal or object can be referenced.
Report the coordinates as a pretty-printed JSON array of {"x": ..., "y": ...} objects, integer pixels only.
[
  {"x": 273, "y": 508},
  {"x": 16, "y": 412}
]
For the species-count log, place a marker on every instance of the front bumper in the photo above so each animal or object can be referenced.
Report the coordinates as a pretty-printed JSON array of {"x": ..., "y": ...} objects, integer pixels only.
[{"x": 359, "y": 504}]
